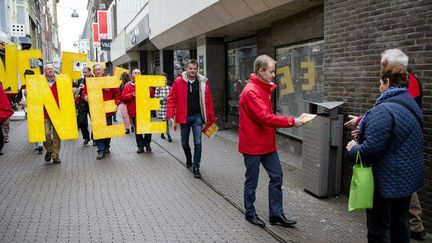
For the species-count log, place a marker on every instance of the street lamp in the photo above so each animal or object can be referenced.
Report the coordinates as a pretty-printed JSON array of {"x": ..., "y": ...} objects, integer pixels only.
[{"x": 75, "y": 14}]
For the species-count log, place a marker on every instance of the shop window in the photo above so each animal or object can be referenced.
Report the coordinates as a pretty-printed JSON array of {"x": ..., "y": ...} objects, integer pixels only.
[
  {"x": 240, "y": 58},
  {"x": 299, "y": 76}
]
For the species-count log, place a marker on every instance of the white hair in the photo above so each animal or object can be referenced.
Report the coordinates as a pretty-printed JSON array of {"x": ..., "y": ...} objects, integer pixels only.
[
  {"x": 394, "y": 56},
  {"x": 48, "y": 65}
]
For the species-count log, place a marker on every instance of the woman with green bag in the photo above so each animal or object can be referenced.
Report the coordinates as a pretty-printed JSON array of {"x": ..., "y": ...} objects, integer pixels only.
[{"x": 391, "y": 141}]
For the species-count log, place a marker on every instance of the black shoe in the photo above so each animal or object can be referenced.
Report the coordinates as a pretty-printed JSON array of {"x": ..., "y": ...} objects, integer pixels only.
[
  {"x": 56, "y": 161},
  {"x": 162, "y": 136},
  {"x": 420, "y": 236},
  {"x": 169, "y": 139},
  {"x": 39, "y": 149},
  {"x": 86, "y": 141},
  {"x": 100, "y": 156},
  {"x": 94, "y": 143},
  {"x": 281, "y": 220},
  {"x": 140, "y": 151},
  {"x": 47, "y": 156},
  {"x": 148, "y": 148},
  {"x": 196, "y": 172},
  {"x": 1, "y": 153},
  {"x": 132, "y": 129},
  {"x": 255, "y": 220},
  {"x": 127, "y": 131},
  {"x": 107, "y": 151},
  {"x": 188, "y": 164}
]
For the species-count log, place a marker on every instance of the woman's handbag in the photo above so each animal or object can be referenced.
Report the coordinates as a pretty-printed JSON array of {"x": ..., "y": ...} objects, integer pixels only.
[{"x": 362, "y": 186}]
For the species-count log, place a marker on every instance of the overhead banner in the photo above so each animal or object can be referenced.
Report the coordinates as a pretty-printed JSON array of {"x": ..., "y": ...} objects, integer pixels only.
[
  {"x": 96, "y": 40},
  {"x": 103, "y": 24}
]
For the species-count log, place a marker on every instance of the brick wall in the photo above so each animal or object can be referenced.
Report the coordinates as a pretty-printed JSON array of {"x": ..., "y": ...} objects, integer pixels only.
[{"x": 355, "y": 34}]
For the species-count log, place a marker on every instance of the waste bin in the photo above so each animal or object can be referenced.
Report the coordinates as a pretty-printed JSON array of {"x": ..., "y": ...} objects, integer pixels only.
[{"x": 322, "y": 150}]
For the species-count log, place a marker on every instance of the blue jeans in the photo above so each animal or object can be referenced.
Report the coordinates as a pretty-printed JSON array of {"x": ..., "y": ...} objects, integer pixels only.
[
  {"x": 273, "y": 167},
  {"x": 194, "y": 122},
  {"x": 104, "y": 143}
]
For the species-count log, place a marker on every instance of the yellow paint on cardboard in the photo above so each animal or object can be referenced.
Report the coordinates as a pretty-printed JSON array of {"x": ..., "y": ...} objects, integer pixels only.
[
  {"x": 145, "y": 104},
  {"x": 8, "y": 71},
  {"x": 69, "y": 60},
  {"x": 24, "y": 58}
]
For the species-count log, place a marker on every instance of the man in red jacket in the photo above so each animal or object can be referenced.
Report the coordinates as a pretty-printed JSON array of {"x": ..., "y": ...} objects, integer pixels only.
[
  {"x": 128, "y": 97},
  {"x": 257, "y": 143},
  {"x": 108, "y": 94},
  {"x": 190, "y": 102},
  {"x": 52, "y": 143}
]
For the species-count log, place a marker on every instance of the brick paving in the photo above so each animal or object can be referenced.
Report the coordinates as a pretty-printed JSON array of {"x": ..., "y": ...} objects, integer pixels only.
[{"x": 123, "y": 198}]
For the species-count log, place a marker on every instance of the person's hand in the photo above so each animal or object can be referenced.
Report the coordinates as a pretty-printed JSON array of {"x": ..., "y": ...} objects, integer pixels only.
[
  {"x": 86, "y": 98},
  {"x": 355, "y": 133},
  {"x": 298, "y": 122},
  {"x": 351, "y": 144},
  {"x": 81, "y": 86},
  {"x": 352, "y": 123},
  {"x": 171, "y": 122},
  {"x": 133, "y": 94}
]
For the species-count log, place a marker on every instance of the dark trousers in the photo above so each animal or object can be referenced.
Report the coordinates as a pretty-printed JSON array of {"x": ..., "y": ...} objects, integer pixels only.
[
  {"x": 142, "y": 141},
  {"x": 83, "y": 124},
  {"x": 1, "y": 139},
  {"x": 273, "y": 167},
  {"x": 388, "y": 220},
  {"x": 104, "y": 143},
  {"x": 193, "y": 122}
]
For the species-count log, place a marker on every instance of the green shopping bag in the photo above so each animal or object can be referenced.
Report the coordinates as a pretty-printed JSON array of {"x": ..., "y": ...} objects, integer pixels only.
[{"x": 362, "y": 186}]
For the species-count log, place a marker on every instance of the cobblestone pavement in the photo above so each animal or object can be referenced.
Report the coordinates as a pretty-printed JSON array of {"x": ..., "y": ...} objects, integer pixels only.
[
  {"x": 126, "y": 197},
  {"x": 129, "y": 197}
]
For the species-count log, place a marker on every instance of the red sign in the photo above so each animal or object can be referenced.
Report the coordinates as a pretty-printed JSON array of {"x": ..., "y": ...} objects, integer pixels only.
[
  {"x": 103, "y": 24},
  {"x": 96, "y": 40}
]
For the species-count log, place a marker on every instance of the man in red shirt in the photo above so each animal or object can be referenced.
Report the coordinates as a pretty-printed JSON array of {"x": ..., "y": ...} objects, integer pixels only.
[
  {"x": 257, "y": 142},
  {"x": 53, "y": 142}
]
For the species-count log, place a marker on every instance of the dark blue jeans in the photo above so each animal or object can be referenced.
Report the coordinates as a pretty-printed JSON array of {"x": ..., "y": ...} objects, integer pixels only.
[
  {"x": 142, "y": 141},
  {"x": 273, "y": 167},
  {"x": 104, "y": 143},
  {"x": 388, "y": 220},
  {"x": 194, "y": 122}
]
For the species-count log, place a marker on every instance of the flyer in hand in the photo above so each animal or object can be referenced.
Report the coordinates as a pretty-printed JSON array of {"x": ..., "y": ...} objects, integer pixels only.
[
  {"x": 306, "y": 117},
  {"x": 210, "y": 130}
]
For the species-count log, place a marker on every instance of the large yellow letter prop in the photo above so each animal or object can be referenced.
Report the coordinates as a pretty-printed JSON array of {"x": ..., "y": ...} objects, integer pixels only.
[
  {"x": 62, "y": 116},
  {"x": 99, "y": 107},
  {"x": 309, "y": 75},
  {"x": 118, "y": 72},
  {"x": 145, "y": 104},
  {"x": 68, "y": 62},
  {"x": 8, "y": 72},
  {"x": 24, "y": 58}
]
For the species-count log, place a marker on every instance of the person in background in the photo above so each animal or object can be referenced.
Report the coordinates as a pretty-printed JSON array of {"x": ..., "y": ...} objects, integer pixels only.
[
  {"x": 190, "y": 102},
  {"x": 6, "y": 111},
  {"x": 125, "y": 78},
  {"x": 162, "y": 93},
  {"x": 391, "y": 140},
  {"x": 82, "y": 105}
]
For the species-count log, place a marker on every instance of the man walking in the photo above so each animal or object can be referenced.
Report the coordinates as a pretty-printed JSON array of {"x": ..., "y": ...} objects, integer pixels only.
[
  {"x": 108, "y": 94},
  {"x": 190, "y": 102},
  {"x": 82, "y": 105},
  {"x": 128, "y": 97},
  {"x": 257, "y": 143},
  {"x": 52, "y": 143}
]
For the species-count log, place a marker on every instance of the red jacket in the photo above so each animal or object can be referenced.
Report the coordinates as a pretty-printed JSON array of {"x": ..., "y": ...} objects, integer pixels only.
[
  {"x": 257, "y": 123},
  {"x": 129, "y": 99},
  {"x": 55, "y": 94},
  {"x": 108, "y": 94},
  {"x": 177, "y": 100},
  {"x": 6, "y": 110}
]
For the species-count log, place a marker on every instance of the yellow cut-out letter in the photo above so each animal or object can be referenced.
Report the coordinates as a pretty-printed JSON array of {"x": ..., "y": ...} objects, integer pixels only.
[
  {"x": 118, "y": 72},
  {"x": 8, "y": 72},
  {"x": 24, "y": 58},
  {"x": 62, "y": 116},
  {"x": 286, "y": 83},
  {"x": 99, "y": 107},
  {"x": 309, "y": 75},
  {"x": 144, "y": 104},
  {"x": 69, "y": 59}
]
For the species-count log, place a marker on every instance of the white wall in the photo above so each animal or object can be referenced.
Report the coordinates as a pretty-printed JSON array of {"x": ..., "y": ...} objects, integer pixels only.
[
  {"x": 165, "y": 14},
  {"x": 127, "y": 10}
]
